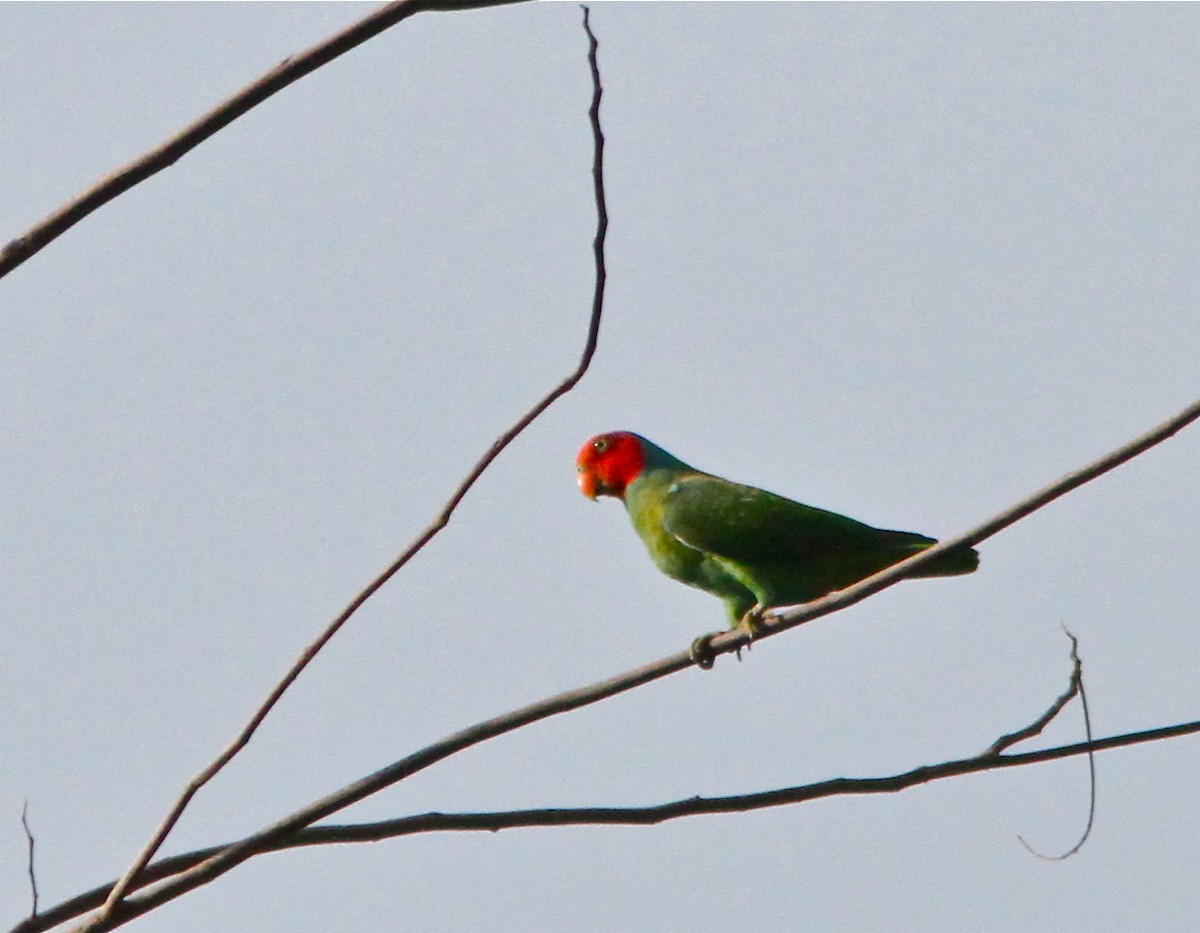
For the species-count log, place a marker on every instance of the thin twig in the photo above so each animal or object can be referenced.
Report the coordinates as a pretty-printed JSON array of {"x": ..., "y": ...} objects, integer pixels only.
[
  {"x": 1036, "y": 727},
  {"x": 162, "y": 156},
  {"x": 1077, "y": 679},
  {"x": 32, "y": 871},
  {"x": 443, "y": 519}
]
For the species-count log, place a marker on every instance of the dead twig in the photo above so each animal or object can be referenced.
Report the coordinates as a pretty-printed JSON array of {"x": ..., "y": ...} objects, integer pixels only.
[
  {"x": 1077, "y": 682},
  {"x": 1035, "y": 727},
  {"x": 33, "y": 889}
]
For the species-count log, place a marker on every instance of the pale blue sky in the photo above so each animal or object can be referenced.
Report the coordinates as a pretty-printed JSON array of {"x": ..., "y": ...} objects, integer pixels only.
[{"x": 905, "y": 262}]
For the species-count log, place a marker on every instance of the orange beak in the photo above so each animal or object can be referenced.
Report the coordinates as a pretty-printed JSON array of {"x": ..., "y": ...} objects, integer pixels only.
[{"x": 587, "y": 481}]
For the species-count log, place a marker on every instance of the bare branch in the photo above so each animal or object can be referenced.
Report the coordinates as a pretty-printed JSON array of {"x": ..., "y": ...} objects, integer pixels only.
[
  {"x": 606, "y": 816},
  {"x": 1035, "y": 728},
  {"x": 693, "y": 806},
  {"x": 443, "y": 519},
  {"x": 33, "y": 890},
  {"x": 162, "y": 156}
]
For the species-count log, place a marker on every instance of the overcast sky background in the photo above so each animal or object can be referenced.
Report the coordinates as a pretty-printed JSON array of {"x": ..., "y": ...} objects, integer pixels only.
[{"x": 909, "y": 263}]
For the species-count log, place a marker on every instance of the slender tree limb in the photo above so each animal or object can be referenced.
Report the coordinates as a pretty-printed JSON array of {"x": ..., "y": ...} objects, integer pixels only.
[
  {"x": 162, "y": 156},
  {"x": 30, "y": 843},
  {"x": 443, "y": 519},
  {"x": 608, "y": 816},
  {"x": 740, "y": 803}
]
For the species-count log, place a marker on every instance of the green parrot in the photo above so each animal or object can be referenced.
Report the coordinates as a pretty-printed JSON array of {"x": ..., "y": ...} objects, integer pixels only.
[{"x": 750, "y": 547}]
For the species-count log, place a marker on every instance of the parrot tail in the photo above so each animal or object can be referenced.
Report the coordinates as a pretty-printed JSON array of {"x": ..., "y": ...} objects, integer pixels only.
[{"x": 951, "y": 564}]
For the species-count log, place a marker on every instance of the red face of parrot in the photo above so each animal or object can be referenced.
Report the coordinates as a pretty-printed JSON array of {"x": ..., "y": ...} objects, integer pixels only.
[{"x": 608, "y": 463}]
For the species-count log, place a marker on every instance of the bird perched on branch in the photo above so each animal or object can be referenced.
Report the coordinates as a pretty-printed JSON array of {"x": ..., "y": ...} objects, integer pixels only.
[{"x": 752, "y": 548}]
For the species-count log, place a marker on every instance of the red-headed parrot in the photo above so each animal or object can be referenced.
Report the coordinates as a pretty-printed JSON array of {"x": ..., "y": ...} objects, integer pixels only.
[{"x": 750, "y": 547}]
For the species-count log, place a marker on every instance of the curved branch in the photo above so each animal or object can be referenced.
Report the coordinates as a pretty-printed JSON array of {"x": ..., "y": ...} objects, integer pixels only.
[
  {"x": 441, "y": 521},
  {"x": 1074, "y": 688},
  {"x": 291, "y": 69}
]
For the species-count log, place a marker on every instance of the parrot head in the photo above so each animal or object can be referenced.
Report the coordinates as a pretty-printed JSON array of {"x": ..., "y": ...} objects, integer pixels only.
[{"x": 608, "y": 463}]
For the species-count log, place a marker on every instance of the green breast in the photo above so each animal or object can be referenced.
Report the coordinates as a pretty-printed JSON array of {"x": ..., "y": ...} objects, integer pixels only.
[{"x": 644, "y": 500}]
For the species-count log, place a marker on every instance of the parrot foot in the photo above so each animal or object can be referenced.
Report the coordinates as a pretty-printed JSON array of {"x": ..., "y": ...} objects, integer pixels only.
[
  {"x": 702, "y": 652},
  {"x": 752, "y": 622}
]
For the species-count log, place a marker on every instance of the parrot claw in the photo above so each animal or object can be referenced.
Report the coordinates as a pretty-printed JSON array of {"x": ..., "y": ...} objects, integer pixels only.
[
  {"x": 752, "y": 622},
  {"x": 702, "y": 652}
]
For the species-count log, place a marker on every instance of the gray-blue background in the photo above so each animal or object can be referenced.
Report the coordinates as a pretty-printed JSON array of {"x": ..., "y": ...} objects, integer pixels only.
[{"x": 905, "y": 262}]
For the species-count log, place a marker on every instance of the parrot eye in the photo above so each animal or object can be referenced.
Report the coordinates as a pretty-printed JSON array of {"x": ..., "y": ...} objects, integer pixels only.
[{"x": 600, "y": 445}]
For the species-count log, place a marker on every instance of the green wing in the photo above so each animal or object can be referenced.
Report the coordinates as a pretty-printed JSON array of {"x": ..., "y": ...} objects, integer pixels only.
[
  {"x": 781, "y": 551},
  {"x": 745, "y": 524}
]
